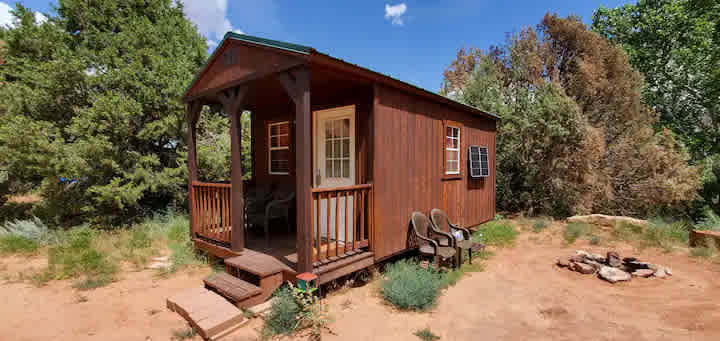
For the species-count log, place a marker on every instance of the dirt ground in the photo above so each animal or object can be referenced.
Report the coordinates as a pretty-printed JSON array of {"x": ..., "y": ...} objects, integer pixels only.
[{"x": 520, "y": 296}]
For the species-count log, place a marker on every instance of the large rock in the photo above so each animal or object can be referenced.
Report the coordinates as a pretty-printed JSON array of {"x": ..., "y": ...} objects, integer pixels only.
[
  {"x": 613, "y": 259},
  {"x": 613, "y": 275},
  {"x": 643, "y": 273},
  {"x": 605, "y": 220},
  {"x": 590, "y": 256},
  {"x": 660, "y": 273},
  {"x": 582, "y": 268},
  {"x": 563, "y": 262}
]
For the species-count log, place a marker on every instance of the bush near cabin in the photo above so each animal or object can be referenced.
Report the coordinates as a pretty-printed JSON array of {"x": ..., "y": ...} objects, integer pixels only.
[{"x": 575, "y": 136}]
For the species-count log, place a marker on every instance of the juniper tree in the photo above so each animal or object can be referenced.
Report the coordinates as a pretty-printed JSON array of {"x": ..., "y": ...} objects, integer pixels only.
[{"x": 92, "y": 95}]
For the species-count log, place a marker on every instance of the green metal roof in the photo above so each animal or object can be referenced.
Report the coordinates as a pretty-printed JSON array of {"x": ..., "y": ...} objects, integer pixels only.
[
  {"x": 307, "y": 50},
  {"x": 269, "y": 42}
]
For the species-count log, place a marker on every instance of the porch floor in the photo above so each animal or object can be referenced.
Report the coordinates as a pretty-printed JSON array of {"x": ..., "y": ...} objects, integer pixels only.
[{"x": 282, "y": 244}]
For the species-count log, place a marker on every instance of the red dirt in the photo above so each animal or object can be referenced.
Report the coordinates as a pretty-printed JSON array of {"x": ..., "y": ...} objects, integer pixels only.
[
  {"x": 520, "y": 296},
  {"x": 132, "y": 308}
]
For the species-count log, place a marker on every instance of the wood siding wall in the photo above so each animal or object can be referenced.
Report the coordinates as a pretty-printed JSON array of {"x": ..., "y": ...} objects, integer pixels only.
[{"x": 408, "y": 167}]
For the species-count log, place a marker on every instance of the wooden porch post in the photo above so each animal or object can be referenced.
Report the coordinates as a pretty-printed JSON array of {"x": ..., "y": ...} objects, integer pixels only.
[
  {"x": 297, "y": 85},
  {"x": 232, "y": 100},
  {"x": 193, "y": 113}
]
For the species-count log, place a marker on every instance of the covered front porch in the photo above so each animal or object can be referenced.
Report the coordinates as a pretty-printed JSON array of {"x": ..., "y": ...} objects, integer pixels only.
[{"x": 311, "y": 159}]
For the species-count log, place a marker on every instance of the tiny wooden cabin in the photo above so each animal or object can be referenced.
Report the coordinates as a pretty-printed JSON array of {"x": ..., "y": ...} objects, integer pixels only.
[{"x": 361, "y": 151}]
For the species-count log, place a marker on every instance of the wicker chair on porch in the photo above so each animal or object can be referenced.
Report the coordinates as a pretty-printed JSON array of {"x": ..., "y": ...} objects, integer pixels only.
[
  {"x": 423, "y": 230},
  {"x": 441, "y": 221}
]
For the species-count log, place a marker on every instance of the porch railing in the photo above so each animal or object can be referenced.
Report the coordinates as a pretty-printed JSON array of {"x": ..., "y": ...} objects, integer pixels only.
[
  {"x": 212, "y": 211},
  {"x": 342, "y": 220}
]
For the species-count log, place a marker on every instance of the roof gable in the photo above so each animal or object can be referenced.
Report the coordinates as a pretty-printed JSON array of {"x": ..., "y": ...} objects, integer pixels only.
[{"x": 237, "y": 60}]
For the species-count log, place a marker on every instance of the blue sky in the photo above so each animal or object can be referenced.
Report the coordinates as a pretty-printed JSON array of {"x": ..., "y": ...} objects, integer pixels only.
[{"x": 410, "y": 40}]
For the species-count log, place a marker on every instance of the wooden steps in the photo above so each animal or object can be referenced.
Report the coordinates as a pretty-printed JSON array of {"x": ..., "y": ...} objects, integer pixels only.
[
  {"x": 231, "y": 287},
  {"x": 208, "y": 313},
  {"x": 259, "y": 264}
]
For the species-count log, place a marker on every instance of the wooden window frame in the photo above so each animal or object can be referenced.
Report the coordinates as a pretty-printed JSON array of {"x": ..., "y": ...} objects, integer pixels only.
[
  {"x": 270, "y": 148},
  {"x": 445, "y": 174}
]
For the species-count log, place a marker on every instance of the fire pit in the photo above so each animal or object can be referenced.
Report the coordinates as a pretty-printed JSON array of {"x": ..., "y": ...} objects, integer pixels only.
[{"x": 611, "y": 267}]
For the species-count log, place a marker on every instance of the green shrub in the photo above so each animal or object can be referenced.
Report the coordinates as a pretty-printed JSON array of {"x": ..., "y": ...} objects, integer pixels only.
[
  {"x": 711, "y": 221},
  {"x": 426, "y": 335},
  {"x": 665, "y": 233},
  {"x": 284, "y": 313},
  {"x": 540, "y": 224},
  {"x": 407, "y": 285},
  {"x": 573, "y": 231},
  {"x": 12, "y": 243},
  {"x": 496, "y": 233},
  {"x": 76, "y": 255},
  {"x": 33, "y": 229},
  {"x": 626, "y": 231}
]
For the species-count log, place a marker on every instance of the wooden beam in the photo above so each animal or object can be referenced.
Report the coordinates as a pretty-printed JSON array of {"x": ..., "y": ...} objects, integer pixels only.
[
  {"x": 193, "y": 114},
  {"x": 297, "y": 84},
  {"x": 232, "y": 100}
]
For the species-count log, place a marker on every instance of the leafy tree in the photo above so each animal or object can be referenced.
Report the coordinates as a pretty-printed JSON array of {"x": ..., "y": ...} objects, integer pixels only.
[
  {"x": 92, "y": 95},
  {"x": 575, "y": 136},
  {"x": 676, "y": 46}
]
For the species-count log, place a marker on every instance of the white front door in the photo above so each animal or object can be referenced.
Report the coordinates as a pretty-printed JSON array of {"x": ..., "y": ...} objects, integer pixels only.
[{"x": 334, "y": 141}]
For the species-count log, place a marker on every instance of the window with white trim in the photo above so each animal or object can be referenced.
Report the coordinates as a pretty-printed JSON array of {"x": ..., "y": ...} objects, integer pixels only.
[
  {"x": 452, "y": 150},
  {"x": 279, "y": 151}
]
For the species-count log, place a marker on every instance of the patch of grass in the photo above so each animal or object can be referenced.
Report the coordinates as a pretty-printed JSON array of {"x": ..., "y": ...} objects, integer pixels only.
[
  {"x": 93, "y": 282},
  {"x": 13, "y": 243},
  {"x": 453, "y": 276},
  {"x": 496, "y": 233},
  {"x": 573, "y": 231},
  {"x": 39, "y": 279},
  {"x": 284, "y": 313},
  {"x": 708, "y": 250},
  {"x": 407, "y": 285},
  {"x": 183, "y": 334},
  {"x": 540, "y": 224},
  {"x": 426, "y": 335},
  {"x": 665, "y": 233},
  {"x": 660, "y": 233},
  {"x": 595, "y": 240},
  {"x": 77, "y": 255}
]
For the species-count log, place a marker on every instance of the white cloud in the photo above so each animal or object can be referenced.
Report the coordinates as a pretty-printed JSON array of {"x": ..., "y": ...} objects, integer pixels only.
[
  {"x": 210, "y": 18},
  {"x": 40, "y": 18},
  {"x": 7, "y": 19},
  {"x": 395, "y": 13},
  {"x": 238, "y": 31}
]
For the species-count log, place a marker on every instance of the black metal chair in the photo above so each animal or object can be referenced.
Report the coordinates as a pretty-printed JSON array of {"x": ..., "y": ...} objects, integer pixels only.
[
  {"x": 441, "y": 221},
  {"x": 423, "y": 230}
]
